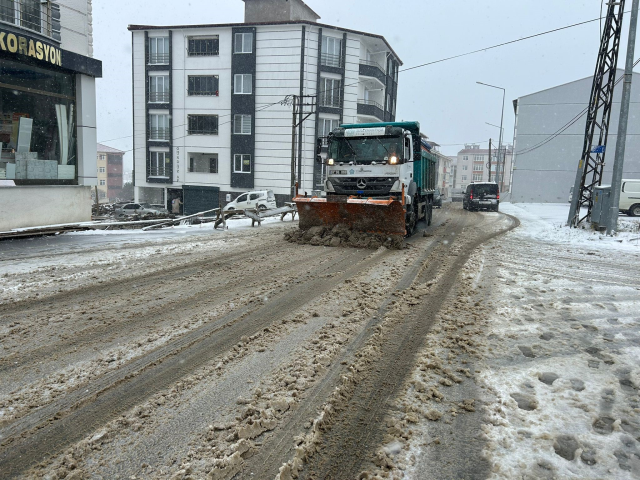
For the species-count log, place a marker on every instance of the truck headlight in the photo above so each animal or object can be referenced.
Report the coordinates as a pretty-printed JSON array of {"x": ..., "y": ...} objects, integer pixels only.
[
  {"x": 330, "y": 161},
  {"x": 393, "y": 160}
]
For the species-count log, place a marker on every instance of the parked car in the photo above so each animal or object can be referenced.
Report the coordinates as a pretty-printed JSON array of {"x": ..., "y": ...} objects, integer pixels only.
[
  {"x": 630, "y": 197},
  {"x": 481, "y": 196},
  {"x": 137, "y": 209},
  {"x": 259, "y": 200},
  {"x": 437, "y": 199}
]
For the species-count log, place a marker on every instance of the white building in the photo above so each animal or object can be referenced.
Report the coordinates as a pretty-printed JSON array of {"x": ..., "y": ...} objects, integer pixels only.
[
  {"x": 47, "y": 112},
  {"x": 208, "y": 122},
  {"x": 549, "y": 139},
  {"x": 472, "y": 166}
]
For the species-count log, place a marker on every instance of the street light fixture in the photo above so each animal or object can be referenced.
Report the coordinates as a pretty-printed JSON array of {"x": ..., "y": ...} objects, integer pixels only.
[{"x": 504, "y": 92}]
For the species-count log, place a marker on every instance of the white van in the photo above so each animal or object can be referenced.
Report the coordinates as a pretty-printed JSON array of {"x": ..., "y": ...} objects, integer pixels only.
[
  {"x": 259, "y": 200},
  {"x": 630, "y": 197}
]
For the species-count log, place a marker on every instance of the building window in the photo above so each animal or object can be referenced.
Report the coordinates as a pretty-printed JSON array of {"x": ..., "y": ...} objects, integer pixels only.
[
  {"x": 159, "y": 164},
  {"x": 465, "y": 167},
  {"x": 159, "y": 127},
  {"x": 243, "y": 84},
  {"x": 479, "y": 158},
  {"x": 331, "y": 55},
  {"x": 477, "y": 177},
  {"x": 465, "y": 158},
  {"x": 203, "y": 163},
  {"x": 159, "y": 89},
  {"x": 329, "y": 94},
  {"x": 464, "y": 178},
  {"x": 478, "y": 167},
  {"x": 242, "y": 124},
  {"x": 159, "y": 50},
  {"x": 203, "y": 85},
  {"x": 103, "y": 183},
  {"x": 203, "y": 124},
  {"x": 103, "y": 157},
  {"x": 241, "y": 163},
  {"x": 243, "y": 43},
  {"x": 31, "y": 14},
  {"x": 102, "y": 195},
  {"x": 329, "y": 125},
  {"x": 204, "y": 47},
  {"x": 103, "y": 170},
  {"x": 389, "y": 107}
]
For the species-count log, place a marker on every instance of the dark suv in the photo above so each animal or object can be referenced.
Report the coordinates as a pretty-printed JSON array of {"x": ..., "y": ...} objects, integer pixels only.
[{"x": 481, "y": 195}]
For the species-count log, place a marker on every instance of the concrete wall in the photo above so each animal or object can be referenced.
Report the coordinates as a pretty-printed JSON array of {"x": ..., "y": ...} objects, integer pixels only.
[
  {"x": 76, "y": 21},
  {"x": 34, "y": 206},
  {"x": 547, "y": 173},
  {"x": 256, "y": 11}
]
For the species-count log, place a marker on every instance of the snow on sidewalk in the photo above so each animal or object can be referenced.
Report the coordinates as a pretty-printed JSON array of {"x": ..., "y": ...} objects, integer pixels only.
[{"x": 563, "y": 351}]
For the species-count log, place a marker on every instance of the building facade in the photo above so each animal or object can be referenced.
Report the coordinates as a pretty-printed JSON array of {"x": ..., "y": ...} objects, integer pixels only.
[
  {"x": 549, "y": 138},
  {"x": 47, "y": 112},
  {"x": 212, "y": 103},
  {"x": 472, "y": 165},
  {"x": 109, "y": 164}
]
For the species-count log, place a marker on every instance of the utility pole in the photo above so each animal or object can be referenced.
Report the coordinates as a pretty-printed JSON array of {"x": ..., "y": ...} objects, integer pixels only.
[
  {"x": 489, "y": 160},
  {"x": 618, "y": 163}
]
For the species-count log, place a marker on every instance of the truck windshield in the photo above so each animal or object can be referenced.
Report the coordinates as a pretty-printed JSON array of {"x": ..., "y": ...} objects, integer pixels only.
[{"x": 365, "y": 149}]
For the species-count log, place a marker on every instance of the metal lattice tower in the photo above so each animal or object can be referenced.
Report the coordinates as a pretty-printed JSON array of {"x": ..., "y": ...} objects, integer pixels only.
[{"x": 591, "y": 164}]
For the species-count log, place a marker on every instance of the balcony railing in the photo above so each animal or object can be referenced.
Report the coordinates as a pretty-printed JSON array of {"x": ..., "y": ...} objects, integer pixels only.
[
  {"x": 158, "y": 59},
  {"x": 371, "y": 102},
  {"x": 159, "y": 134},
  {"x": 331, "y": 60},
  {"x": 158, "y": 172},
  {"x": 371, "y": 63},
  {"x": 33, "y": 15},
  {"x": 329, "y": 101},
  {"x": 159, "y": 97}
]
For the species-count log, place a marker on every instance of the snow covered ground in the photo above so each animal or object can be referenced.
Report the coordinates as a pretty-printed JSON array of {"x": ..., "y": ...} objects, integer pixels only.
[{"x": 563, "y": 351}]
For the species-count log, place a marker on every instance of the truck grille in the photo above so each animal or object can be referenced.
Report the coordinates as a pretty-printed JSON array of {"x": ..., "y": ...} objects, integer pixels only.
[{"x": 371, "y": 186}]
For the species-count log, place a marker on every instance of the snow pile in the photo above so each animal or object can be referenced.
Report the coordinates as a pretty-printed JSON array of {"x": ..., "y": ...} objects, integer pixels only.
[
  {"x": 343, "y": 236},
  {"x": 547, "y": 222}
]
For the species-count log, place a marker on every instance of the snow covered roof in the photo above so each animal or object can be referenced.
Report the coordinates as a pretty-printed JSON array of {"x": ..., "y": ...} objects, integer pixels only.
[{"x": 106, "y": 149}]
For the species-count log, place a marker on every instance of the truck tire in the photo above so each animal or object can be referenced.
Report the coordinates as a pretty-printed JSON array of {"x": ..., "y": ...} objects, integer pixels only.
[{"x": 411, "y": 219}]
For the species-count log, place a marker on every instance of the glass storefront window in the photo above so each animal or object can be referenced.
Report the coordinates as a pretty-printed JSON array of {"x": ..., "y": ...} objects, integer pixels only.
[{"x": 37, "y": 125}]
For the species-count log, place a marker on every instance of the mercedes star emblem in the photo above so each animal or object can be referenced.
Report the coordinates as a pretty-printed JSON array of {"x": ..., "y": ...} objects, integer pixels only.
[{"x": 362, "y": 183}]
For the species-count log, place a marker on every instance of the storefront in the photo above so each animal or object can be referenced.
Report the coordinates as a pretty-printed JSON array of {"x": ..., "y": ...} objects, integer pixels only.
[{"x": 47, "y": 130}]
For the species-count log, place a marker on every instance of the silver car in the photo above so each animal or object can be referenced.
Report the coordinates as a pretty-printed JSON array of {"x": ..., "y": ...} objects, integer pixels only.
[{"x": 136, "y": 209}]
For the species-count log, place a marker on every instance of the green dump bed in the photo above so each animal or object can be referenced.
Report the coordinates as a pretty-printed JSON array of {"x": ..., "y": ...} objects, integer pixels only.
[{"x": 424, "y": 172}]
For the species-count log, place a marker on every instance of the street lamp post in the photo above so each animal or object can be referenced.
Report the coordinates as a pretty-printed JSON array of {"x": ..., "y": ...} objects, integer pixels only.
[{"x": 504, "y": 92}]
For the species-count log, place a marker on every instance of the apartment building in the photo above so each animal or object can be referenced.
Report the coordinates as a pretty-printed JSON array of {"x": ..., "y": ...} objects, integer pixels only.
[
  {"x": 472, "y": 165},
  {"x": 109, "y": 164},
  {"x": 47, "y": 112},
  {"x": 212, "y": 103}
]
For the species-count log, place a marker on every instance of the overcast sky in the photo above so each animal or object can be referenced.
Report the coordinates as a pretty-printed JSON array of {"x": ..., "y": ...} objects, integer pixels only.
[{"x": 443, "y": 97}]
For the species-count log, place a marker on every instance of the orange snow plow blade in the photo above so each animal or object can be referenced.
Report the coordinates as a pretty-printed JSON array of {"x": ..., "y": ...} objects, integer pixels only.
[{"x": 385, "y": 217}]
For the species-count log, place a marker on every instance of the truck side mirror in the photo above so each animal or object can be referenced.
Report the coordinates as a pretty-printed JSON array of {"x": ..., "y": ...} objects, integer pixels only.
[
  {"x": 319, "y": 159},
  {"x": 319, "y": 146}
]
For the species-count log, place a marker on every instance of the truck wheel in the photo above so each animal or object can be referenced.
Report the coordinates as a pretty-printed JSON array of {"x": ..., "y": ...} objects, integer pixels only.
[
  {"x": 634, "y": 211},
  {"x": 412, "y": 218}
]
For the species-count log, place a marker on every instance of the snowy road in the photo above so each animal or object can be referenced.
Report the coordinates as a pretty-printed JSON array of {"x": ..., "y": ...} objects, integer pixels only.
[{"x": 238, "y": 355}]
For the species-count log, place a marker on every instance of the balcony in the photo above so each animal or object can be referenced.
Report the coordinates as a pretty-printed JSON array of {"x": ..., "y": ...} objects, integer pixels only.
[
  {"x": 160, "y": 134},
  {"x": 158, "y": 59},
  {"x": 34, "y": 15},
  {"x": 159, "y": 97},
  {"x": 369, "y": 68},
  {"x": 159, "y": 172},
  {"x": 330, "y": 60},
  {"x": 331, "y": 101},
  {"x": 371, "y": 108}
]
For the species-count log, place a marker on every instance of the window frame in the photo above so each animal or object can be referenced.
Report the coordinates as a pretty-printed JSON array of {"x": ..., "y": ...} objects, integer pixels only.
[
  {"x": 335, "y": 92},
  {"x": 156, "y": 160},
  {"x": 215, "y": 42},
  {"x": 242, "y": 77},
  {"x": 202, "y": 131},
  {"x": 153, "y": 82},
  {"x": 240, "y": 156},
  {"x": 243, "y": 36},
  {"x": 102, "y": 182},
  {"x": 331, "y": 57},
  {"x": 167, "y": 126},
  {"x": 242, "y": 122},
  {"x": 166, "y": 50},
  {"x": 213, "y": 161},
  {"x": 192, "y": 92}
]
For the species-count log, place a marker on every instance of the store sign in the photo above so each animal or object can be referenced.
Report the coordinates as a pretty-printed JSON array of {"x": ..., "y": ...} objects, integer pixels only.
[{"x": 30, "y": 47}]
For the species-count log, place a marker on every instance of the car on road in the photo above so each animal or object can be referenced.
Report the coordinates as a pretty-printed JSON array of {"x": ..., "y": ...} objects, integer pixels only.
[
  {"x": 137, "y": 209},
  {"x": 481, "y": 196},
  {"x": 630, "y": 197},
  {"x": 256, "y": 200},
  {"x": 437, "y": 199}
]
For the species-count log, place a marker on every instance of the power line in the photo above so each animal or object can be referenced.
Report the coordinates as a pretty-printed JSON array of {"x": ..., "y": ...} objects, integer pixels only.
[{"x": 431, "y": 63}]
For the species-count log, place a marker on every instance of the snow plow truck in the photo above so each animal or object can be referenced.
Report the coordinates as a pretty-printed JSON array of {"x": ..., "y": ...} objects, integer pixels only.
[{"x": 380, "y": 178}]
